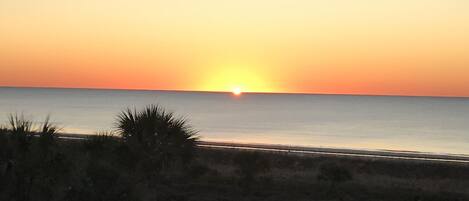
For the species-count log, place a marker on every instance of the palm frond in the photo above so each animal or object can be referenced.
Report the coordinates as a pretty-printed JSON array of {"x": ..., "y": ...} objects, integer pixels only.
[
  {"x": 18, "y": 124},
  {"x": 126, "y": 122},
  {"x": 47, "y": 133}
]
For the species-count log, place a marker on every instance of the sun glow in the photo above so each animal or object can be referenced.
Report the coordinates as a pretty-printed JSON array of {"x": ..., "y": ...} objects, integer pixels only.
[
  {"x": 237, "y": 91},
  {"x": 236, "y": 79}
]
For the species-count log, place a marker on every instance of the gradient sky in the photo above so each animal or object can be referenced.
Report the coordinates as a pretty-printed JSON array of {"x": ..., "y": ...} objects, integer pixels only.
[{"x": 393, "y": 47}]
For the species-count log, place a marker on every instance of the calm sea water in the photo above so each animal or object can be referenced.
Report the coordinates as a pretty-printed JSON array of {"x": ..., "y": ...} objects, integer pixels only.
[{"x": 424, "y": 124}]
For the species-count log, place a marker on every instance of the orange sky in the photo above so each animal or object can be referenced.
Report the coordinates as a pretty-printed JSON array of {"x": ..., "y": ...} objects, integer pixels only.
[{"x": 400, "y": 47}]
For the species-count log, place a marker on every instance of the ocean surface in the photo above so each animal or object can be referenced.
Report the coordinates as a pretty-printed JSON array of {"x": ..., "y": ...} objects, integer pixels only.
[{"x": 424, "y": 124}]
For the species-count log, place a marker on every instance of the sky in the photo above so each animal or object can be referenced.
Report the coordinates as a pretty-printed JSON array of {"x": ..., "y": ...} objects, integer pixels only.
[{"x": 398, "y": 47}]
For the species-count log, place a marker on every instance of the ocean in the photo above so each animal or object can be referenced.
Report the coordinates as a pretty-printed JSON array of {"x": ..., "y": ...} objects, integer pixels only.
[{"x": 423, "y": 124}]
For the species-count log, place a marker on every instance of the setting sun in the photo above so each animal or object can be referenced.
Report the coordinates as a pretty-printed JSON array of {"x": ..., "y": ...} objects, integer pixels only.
[{"x": 237, "y": 91}]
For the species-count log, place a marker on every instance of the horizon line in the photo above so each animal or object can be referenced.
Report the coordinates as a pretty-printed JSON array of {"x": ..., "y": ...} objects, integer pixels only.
[{"x": 229, "y": 92}]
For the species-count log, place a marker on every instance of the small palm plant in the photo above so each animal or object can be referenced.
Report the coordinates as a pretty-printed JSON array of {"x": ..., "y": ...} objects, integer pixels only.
[
  {"x": 21, "y": 131},
  {"x": 157, "y": 136},
  {"x": 47, "y": 133},
  {"x": 29, "y": 160}
]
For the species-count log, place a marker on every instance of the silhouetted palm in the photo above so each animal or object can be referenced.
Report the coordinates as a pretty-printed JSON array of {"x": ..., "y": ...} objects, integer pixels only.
[
  {"x": 47, "y": 134},
  {"x": 157, "y": 135},
  {"x": 21, "y": 131},
  {"x": 31, "y": 164}
]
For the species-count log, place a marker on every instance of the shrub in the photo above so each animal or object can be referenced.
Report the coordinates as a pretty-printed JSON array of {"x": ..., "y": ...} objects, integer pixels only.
[
  {"x": 21, "y": 131},
  {"x": 47, "y": 134},
  {"x": 250, "y": 165},
  {"x": 197, "y": 170},
  {"x": 32, "y": 167},
  {"x": 334, "y": 173},
  {"x": 101, "y": 142},
  {"x": 100, "y": 180},
  {"x": 157, "y": 136}
]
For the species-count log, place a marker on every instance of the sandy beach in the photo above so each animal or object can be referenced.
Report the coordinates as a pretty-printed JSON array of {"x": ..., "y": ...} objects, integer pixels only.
[{"x": 321, "y": 151}]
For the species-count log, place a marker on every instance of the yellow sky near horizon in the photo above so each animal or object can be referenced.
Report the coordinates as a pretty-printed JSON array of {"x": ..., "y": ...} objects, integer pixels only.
[{"x": 402, "y": 47}]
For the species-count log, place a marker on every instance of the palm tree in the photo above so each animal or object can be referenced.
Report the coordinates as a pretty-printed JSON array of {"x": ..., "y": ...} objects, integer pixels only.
[{"x": 157, "y": 135}]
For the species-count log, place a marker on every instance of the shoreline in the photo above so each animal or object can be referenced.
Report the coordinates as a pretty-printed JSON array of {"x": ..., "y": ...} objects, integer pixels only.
[{"x": 319, "y": 151}]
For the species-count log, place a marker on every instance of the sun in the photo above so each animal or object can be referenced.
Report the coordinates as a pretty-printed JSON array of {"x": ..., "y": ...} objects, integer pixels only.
[{"x": 237, "y": 91}]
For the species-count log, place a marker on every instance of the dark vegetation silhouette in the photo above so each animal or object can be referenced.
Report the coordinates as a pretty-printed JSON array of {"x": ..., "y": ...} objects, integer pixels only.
[
  {"x": 334, "y": 173},
  {"x": 249, "y": 165},
  {"x": 156, "y": 138},
  {"x": 36, "y": 165},
  {"x": 153, "y": 155},
  {"x": 31, "y": 164}
]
